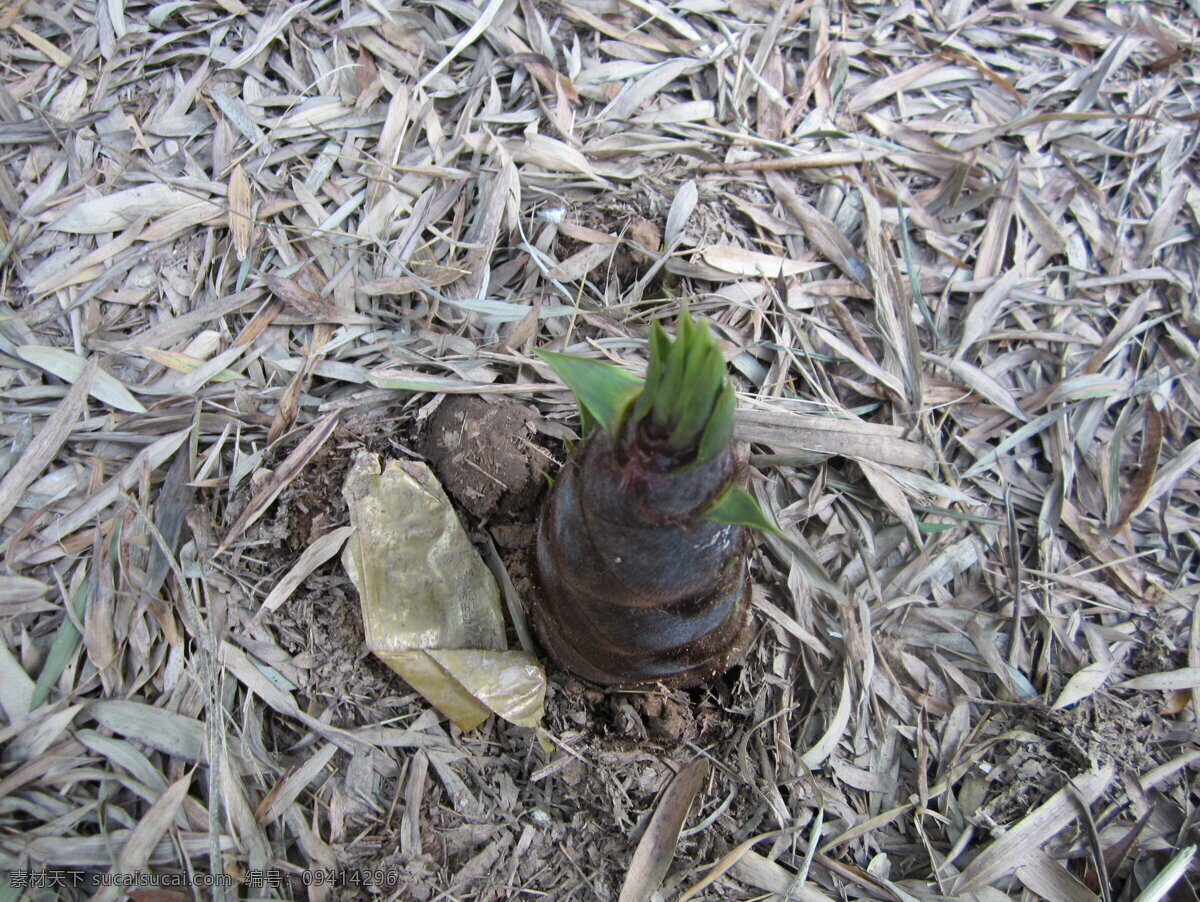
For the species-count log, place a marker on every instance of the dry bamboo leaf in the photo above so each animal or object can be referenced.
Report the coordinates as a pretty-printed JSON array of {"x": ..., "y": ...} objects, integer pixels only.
[
  {"x": 45, "y": 445},
  {"x": 821, "y": 230},
  {"x": 89, "y": 267},
  {"x": 1183, "y": 678},
  {"x": 283, "y": 475},
  {"x": 1034, "y": 427},
  {"x": 241, "y": 219},
  {"x": 250, "y": 674},
  {"x": 148, "y": 459},
  {"x": 579, "y": 264},
  {"x": 893, "y": 84},
  {"x": 321, "y": 550},
  {"x": 273, "y": 25},
  {"x": 823, "y": 747},
  {"x": 70, "y": 367},
  {"x": 1183, "y": 464},
  {"x": 983, "y": 313},
  {"x": 22, "y": 594},
  {"x": 741, "y": 262},
  {"x": 141, "y": 842},
  {"x": 239, "y": 816},
  {"x": 498, "y": 208},
  {"x": 852, "y": 438},
  {"x": 893, "y": 497},
  {"x": 1048, "y": 235},
  {"x": 194, "y": 214},
  {"x": 125, "y": 756},
  {"x": 300, "y": 298},
  {"x": 175, "y": 735},
  {"x": 983, "y": 385},
  {"x": 431, "y": 610},
  {"x": 16, "y": 688},
  {"x": 551, "y": 154},
  {"x": 258, "y": 323},
  {"x": 789, "y": 623},
  {"x": 182, "y": 363},
  {"x": 682, "y": 206},
  {"x": 767, "y": 875},
  {"x": 656, "y": 849},
  {"x": 287, "y": 790},
  {"x": 39, "y": 43},
  {"x": 1010, "y": 851},
  {"x": 993, "y": 243},
  {"x": 114, "y": 212},
  {"x": 1050, "y": 880},
  {"x": 478, "y": 28},
  {"x": 586, "y": 235},
  {"x": 636, "y": 92},
  {"x": 1143, "y": 476},
  {"x": 889, "y": 380},
  {"x": 1083, "y": 683}
]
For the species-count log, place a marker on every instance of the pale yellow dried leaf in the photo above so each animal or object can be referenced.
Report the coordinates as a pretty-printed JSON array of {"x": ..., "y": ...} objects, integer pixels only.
[
  {"x": 241, "y": 221},
  {"x": 39, "y": 43},
  {"x": 741, "y": 262}
]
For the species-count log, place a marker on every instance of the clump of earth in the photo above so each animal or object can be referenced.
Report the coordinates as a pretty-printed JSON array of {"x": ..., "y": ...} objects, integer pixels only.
[{"x": 483, "y": 453}]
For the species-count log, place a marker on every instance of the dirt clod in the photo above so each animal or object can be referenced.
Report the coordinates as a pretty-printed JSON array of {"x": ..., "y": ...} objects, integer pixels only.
[{"x": 484, "y": 455}]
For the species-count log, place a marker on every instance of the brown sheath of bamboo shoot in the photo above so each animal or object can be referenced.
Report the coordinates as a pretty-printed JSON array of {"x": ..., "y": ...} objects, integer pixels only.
[{"x": 637, "y": 588}]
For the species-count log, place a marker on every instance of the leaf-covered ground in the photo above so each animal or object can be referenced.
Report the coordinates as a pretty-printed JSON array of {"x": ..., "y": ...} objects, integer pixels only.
[{"x": 950, "y": 249}]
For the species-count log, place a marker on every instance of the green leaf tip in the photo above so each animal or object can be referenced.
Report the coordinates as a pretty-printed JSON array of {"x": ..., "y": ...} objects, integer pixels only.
[
  {"x": 603, "y": 391},
  {"x": 687, "y": 402},
  {"x": 737, "y": 507}
]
